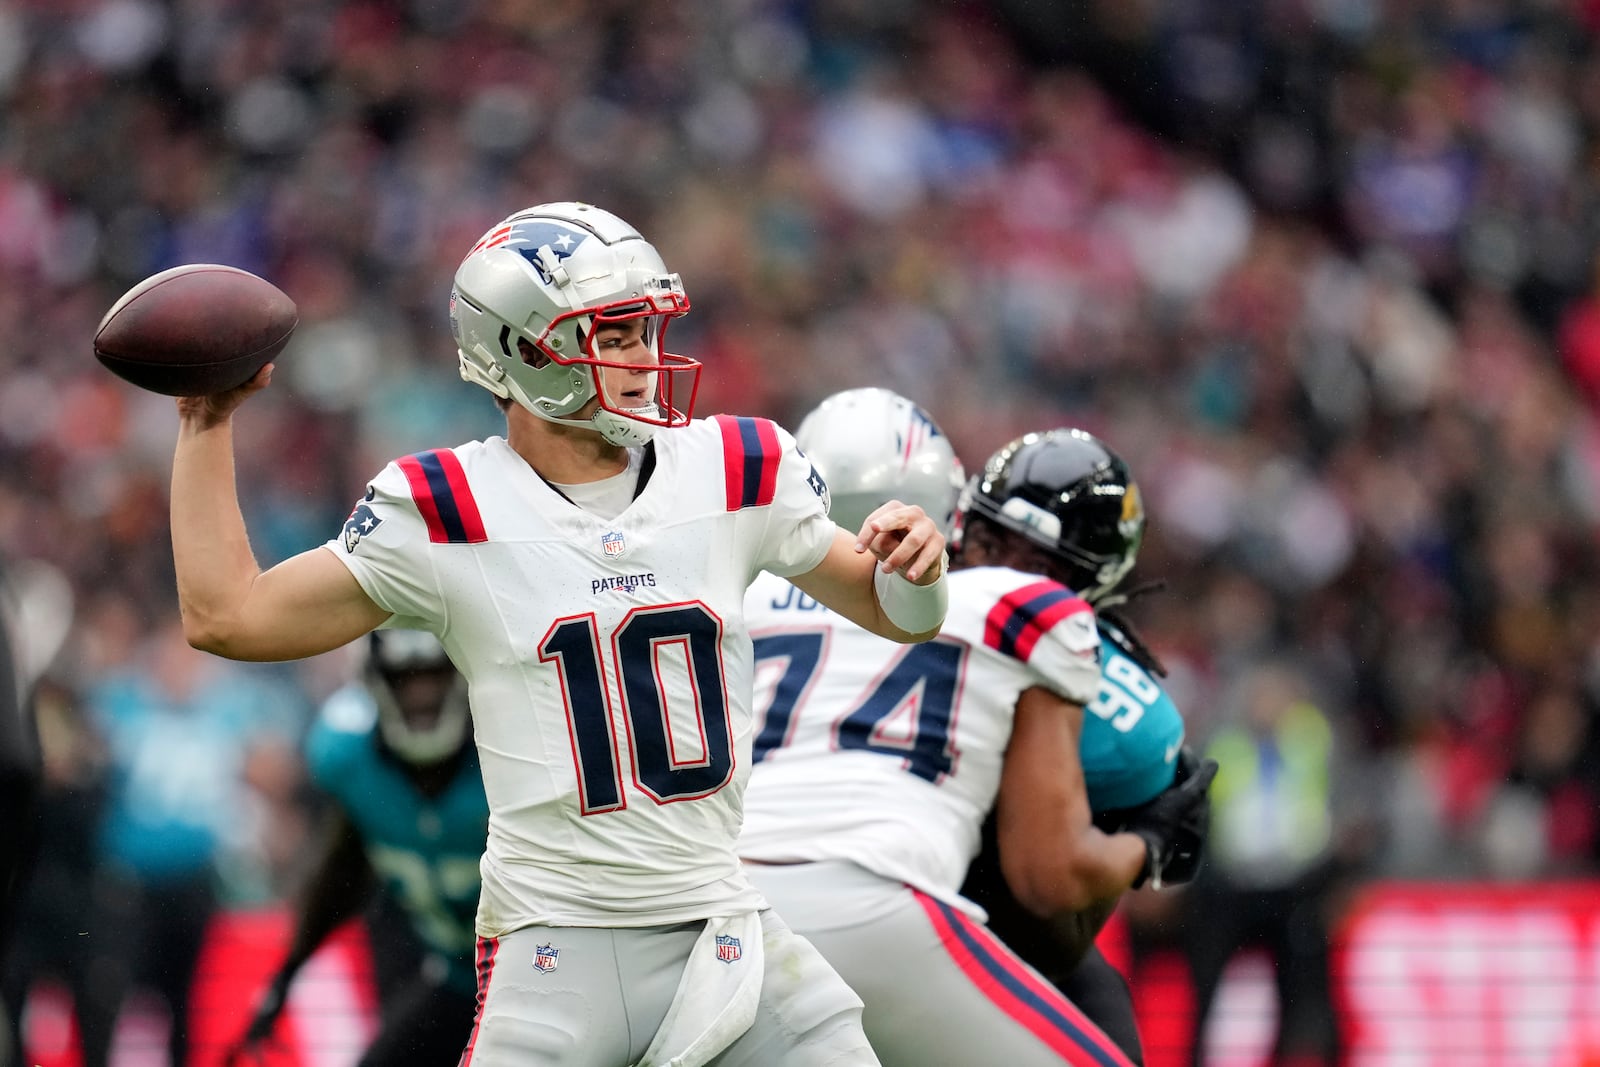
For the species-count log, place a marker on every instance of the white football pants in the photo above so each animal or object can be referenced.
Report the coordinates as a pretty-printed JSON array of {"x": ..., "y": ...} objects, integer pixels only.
[
  {"x": 557, "y": 996},
  {"x": 939, "y": 987}
]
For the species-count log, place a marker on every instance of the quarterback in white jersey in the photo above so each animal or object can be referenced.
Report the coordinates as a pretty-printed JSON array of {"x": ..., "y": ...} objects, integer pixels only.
[
  {"x": 635, "y": 615},
  {"x": 586, "y": 574},
  {"x": 877, "y": 766}
]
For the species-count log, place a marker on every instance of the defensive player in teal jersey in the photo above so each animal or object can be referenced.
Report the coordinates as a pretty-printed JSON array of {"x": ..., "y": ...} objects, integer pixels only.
[{"x": 395, "y": 756}]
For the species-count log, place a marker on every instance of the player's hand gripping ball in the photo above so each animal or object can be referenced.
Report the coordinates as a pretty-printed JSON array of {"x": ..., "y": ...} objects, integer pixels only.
[{"x": 195, "y": 330}]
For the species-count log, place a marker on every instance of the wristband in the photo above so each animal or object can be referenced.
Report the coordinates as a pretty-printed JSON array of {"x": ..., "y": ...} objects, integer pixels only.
[{"x": 916, "y": 609}]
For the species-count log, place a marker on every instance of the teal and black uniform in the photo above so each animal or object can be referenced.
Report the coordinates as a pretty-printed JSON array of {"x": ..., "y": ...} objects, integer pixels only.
[
  {"x": 1131, "y": 733},
  {"x": 424, "y": 848},
  {"x": 423, "y": 845}
]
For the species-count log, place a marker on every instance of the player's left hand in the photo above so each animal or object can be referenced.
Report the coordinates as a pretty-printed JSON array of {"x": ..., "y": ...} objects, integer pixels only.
[{"x": 904, "y": 539}]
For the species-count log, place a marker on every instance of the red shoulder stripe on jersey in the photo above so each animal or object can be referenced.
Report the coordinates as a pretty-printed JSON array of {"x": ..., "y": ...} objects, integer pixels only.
[
  {"x": 1016, "y": 990},
  {"x": 443, "y": 497},
  {"x": 1022, "y": 616},
  {"x": 750, "y": 458}
]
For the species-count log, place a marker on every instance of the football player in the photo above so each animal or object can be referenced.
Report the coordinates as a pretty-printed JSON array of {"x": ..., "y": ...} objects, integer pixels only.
[
  {"x": 879, "y": 764},
  {"x": 394, "y": 754},
  {"x": 586, "y": 573}
]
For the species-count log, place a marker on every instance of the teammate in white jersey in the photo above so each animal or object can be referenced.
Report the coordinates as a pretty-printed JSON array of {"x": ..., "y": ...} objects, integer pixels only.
[
  {"x": 586, "y": 574},
  {"x": 879, "y": 764}
]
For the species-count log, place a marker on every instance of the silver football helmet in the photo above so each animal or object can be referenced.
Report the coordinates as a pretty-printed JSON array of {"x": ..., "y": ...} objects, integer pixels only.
[
  {"x": 424, "y": 725},
  {"x": 873, "y": 445},
  {"x": 525, "y": 309}
]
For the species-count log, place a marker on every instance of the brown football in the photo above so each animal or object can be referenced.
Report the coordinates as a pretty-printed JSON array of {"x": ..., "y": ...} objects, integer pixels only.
[{"x": 194, "y": 330}]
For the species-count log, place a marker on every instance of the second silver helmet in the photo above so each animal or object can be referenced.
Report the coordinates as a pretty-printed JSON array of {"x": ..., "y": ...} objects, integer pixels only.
[{"x": 874, "y": 445}]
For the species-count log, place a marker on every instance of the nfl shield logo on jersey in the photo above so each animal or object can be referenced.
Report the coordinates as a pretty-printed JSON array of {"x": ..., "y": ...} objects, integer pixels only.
[
  {"x": 613, "y": 543},
  {"x": 544, "y": 958},
  {"x": 728, "y": 949}
]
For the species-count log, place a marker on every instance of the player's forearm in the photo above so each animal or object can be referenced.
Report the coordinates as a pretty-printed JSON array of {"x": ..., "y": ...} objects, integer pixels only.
[
  {"x": 210, "y": 548},
  {"x": 1106, "y": 865},
  {"x": 848, "y": 582},
  {"x": 1087, "y": 872}
]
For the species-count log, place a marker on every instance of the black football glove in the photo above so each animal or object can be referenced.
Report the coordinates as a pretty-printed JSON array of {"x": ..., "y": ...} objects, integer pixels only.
[{"x": 1174, "y": 824}]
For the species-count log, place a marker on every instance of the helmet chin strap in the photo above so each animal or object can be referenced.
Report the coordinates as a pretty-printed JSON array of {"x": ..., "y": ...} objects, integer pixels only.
[
  {"x": 617, "y": 429},
  {"x": 622, "y": 430}
]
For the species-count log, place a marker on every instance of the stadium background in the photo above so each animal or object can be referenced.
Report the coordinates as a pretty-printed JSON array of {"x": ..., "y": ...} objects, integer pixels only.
[{"x": 1323, "y": 272}]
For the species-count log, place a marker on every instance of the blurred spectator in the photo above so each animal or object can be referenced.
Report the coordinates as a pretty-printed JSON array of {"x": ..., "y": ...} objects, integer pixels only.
[
  {"x": 19, "y": 783},
  {"x": 180, "y": 728},
  {"x": 35, "y": 614},
  {"x": 1272, "y": 863},
  {"x": 47, "y": 943}
]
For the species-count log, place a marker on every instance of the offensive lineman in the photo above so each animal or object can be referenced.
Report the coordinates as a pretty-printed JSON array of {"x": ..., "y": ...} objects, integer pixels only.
[
  {"x": 586, "y": 573},
  {"x": 394, "y": 754},
  {"x": 879, "y": 763}
]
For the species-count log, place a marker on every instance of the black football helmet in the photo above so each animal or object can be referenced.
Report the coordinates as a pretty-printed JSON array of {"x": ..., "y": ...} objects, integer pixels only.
[
  {"x": 424, "y": 723},
  {"x": 1070, "y": 495}
]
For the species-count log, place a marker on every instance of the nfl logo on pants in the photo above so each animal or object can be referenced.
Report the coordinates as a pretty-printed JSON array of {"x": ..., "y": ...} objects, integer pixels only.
[
  {"x": 544, "y": 958},
  {"x": 727, "y": 948}
]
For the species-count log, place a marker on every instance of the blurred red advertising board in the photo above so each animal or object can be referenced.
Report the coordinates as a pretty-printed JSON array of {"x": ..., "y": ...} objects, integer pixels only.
[
  {"x": 1436, "y": 974},
  {"x": 1425, "y": 975}
]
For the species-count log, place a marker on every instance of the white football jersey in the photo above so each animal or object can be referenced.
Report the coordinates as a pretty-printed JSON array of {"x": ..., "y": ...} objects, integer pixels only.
[
  {"x": 888, "y": 755},
  {"x": 608, "y": 661}
]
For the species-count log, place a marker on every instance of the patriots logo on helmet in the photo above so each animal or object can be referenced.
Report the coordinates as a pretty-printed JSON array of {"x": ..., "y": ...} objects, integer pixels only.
[
  {"x": 360, "y": 523},
  {"x": 728, "y": 950},
  {"x": 531, "y": 238},
  {"x": 919, "y": 429}
]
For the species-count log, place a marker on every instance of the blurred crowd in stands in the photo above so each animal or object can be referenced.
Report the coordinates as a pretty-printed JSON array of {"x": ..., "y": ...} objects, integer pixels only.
[{"x": 1322, "y": 271}]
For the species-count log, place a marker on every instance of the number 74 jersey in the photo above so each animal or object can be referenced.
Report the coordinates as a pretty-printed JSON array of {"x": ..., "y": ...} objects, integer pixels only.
[
  {"x": 890, "y": 756},
  {"x": 607, "y": 660}
]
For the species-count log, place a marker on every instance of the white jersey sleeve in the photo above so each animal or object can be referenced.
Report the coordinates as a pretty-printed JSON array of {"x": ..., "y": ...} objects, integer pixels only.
[
  {"x": 1047, "y": 627},
  {"x": 768, "y": 474},
  {"x": 385, "y": 544}
]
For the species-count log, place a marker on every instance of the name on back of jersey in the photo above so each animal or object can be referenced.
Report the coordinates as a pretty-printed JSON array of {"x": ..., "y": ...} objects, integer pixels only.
[{"x": 790, "y": 598}]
